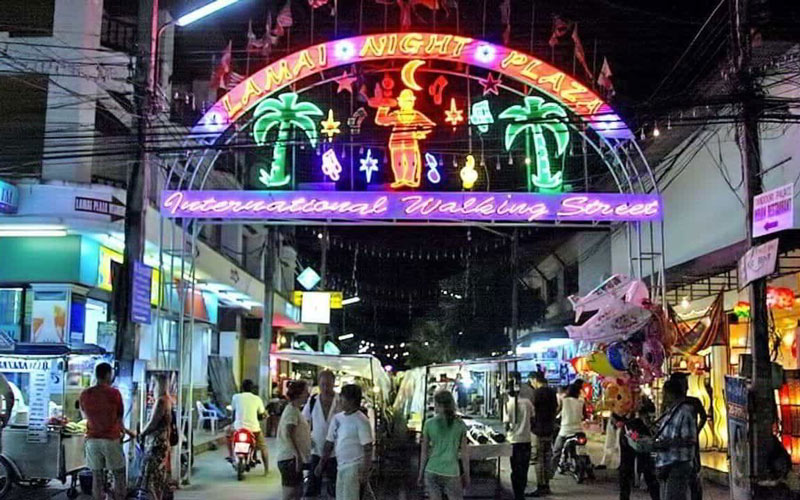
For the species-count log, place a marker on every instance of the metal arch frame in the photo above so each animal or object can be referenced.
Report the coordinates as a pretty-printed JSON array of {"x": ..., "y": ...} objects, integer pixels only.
[{"x": 627, "y": 165}]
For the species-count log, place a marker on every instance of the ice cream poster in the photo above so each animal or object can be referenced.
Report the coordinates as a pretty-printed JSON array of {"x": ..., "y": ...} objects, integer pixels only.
[{"x": 49, "y": 322}]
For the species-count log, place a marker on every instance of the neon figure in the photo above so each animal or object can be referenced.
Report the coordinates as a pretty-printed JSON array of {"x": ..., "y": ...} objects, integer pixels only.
[
  {"x": 481, "y": 115},
  {"x": 434, "y": 177},
  {"x": 410, "y": 126},
  {"x": 330, "y": 165},
  {"x": 454, "y": 115},
  {"x": 533, "y": 120},
  {"x": 285, "y": 112},
  {"x": 330, "y": 127},
  {"x": 468, "y": 173},
  {"x": 368, "y": 165}
]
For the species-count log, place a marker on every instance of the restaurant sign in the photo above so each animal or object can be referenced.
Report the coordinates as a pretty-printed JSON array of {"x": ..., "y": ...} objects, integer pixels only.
[{"x": 411, "y": 206}]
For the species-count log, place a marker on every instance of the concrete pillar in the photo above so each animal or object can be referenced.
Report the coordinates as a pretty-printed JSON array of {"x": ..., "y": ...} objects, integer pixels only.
[
  {"x": 72, "y": 92},
  {"x": 253, "y": 245}
]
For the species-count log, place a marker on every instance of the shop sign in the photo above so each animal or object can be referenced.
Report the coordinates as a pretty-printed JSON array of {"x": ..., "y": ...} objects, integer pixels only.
[
  {"x": 335, "y": 302},
  {"x": 308, "y": 278},
  {"x": 411, "y": 206},
  {"x": 738, "y": 439},
  {"x": 758, "y": 262},
  {"x": 9, "y": 198},
  {"x": 114, "y": 208},
  {"x": 773, "y": 211},
  {"x": 140, "y": 293}
]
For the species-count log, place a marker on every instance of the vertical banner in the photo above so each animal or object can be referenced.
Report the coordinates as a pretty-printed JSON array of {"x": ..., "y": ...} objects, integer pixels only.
[
  {"x": 738, "y": 437},
  {"x": 38, "y": 405},
  {"x": 140, "y": 293}
]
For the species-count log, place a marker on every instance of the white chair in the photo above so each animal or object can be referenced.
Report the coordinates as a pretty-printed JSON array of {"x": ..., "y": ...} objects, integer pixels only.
[{"x": 204, "y": 415}]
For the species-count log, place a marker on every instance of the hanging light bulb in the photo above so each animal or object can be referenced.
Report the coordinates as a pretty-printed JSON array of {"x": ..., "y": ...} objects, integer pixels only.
[
  {"x": 510, "y": 159},
  {"x": 642, "y": 136},
  {"x": 685, "y": 303},
  {"x": 527, "y": 160},
  {"x": 656, "y": 132}
]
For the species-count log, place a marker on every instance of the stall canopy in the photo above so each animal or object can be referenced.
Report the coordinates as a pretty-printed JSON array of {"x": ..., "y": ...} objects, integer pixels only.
[{"x": 360, "y": 365}]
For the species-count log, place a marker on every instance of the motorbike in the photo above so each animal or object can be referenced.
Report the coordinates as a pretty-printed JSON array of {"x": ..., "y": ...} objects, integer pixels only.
[
  {"x": 575, "y": 459},
  {"x": 244, "y": 452}
]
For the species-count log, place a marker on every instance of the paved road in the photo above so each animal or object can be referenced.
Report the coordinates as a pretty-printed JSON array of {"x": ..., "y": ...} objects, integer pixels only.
[{"x": 214, "y": 479}]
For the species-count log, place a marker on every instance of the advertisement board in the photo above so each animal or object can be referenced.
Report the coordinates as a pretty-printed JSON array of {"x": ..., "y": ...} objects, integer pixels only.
[{"x": 738, "y": 437}]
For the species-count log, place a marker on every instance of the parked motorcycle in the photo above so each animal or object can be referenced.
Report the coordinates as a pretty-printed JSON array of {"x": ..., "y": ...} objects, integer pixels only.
[
  {"x": 575, "y": 458},
  {"x": 244, "y": 452}
]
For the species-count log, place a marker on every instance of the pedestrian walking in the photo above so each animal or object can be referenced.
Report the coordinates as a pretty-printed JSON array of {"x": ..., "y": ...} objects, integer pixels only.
[
  {"x": 461, "y": 394},
  {"x": 319, "y": 412},
  {"x": 156, "y": 437},
  {"x": 517, "y": 417},
  {"x": 571, "y": 419},
  {"x": 444, "y": 442},
  {"x": 294, "y": 441},
  {"x": 350, "y": 436},
  {"x": 103, "y": 410},
  {"x": 545, "y": 406},
  {"x": 675, "y": 444},
  {"x": 632, "y": 461}
]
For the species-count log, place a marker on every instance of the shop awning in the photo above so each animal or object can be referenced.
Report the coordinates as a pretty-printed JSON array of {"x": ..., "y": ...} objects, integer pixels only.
[{"x": 361, "y": 365}]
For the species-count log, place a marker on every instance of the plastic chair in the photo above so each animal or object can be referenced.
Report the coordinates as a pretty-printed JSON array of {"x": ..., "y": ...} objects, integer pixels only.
[{"x": 205, "y": 415}]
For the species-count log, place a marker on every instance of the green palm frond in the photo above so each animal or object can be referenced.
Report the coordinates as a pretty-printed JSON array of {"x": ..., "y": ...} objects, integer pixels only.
[{"x": 308, "y": 126}]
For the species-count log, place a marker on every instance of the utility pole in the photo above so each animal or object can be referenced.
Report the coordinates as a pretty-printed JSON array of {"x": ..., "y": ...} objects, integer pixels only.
[
  {"x": 265, "y": 341},
  {"x": 762, "y": 402},
  {"x": 323, "y": 284},
  {"x": 138, "y": 183},
  {"x": 514, "y": 289}
]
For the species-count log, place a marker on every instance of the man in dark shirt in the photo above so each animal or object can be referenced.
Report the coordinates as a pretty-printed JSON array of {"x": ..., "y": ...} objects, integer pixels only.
[
  {"x": 701, "y": 416},
  {"x": 545, "y": 407},
  {"x": 639, "y": 426}
]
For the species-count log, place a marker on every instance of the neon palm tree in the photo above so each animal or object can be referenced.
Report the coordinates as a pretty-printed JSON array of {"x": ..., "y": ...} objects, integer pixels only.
[
  {"x": 533, "y": 119},
  {"x": 285, "y": 112}
]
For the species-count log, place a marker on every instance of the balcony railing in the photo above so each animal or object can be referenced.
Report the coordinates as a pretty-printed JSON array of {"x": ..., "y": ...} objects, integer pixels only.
[{"x": 117, "y": 34}]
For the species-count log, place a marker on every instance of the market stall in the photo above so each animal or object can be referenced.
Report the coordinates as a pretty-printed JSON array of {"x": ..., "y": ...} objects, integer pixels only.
[{"x": 43, "y": 439}]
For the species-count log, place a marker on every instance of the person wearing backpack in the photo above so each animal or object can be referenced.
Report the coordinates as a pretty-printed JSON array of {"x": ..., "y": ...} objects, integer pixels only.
[{"x": 319, "y": 412}]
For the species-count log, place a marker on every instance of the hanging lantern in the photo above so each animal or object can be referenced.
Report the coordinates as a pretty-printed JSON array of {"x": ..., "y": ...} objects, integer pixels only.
[
  {"x": 742, "y": 310},
  {"x": 780, "y": 297}
]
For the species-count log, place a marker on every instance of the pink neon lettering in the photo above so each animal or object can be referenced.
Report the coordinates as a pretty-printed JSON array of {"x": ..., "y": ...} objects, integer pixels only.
[{"x": 576, "y": 206}]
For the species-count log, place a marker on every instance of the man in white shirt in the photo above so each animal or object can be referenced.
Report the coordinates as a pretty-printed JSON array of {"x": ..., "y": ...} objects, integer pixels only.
[
  {"x": 248, "y": 410},
  {"x": 517, "y": 417},
  {"x": 319, "y": 412},
  {"x": 350, "y": 436}
]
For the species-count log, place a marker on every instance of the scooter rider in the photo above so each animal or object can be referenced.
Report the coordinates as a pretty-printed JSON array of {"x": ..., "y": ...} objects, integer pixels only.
[{"x": 248, "y": 411}]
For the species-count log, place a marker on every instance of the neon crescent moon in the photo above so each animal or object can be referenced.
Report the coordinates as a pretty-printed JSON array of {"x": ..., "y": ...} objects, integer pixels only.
[{"x": 407, "y": 74}]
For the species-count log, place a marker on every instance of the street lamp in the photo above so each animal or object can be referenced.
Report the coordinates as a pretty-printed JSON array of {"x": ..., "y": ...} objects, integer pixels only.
[{"x": 203, "y": 11}]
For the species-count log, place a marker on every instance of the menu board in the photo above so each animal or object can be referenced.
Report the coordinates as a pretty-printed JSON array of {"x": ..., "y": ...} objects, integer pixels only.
[{"x": 38, "y": 405}]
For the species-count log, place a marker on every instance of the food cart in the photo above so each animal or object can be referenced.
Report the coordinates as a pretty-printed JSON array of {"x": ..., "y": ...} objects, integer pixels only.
[{"x": 42, "y": 440}]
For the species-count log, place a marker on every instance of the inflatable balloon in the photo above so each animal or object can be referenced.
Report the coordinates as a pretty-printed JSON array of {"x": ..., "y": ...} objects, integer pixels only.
[
  {"x": 598, "y": 362},
  {"x": 618, "y": 397},
  {"x": 616, "y": 321},
  {"x": 619, "y": 356},
  {"x": 612, "y": 289},
  {"x": 579, "y": 364},
  {"x": 652, "y": 357}
]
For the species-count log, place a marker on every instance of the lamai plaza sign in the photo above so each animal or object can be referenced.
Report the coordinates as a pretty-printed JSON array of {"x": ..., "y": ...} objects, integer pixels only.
[{"x": 410, "y": 206}]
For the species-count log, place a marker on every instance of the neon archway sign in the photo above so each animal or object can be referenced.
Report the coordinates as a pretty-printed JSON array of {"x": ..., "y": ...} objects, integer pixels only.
[{"x": 508, "y": 62}]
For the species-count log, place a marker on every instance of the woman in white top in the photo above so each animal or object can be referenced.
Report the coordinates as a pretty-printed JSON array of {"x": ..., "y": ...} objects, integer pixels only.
[
  {"x": 294, "y": 441},
  {"x": 571, "y": 419}
]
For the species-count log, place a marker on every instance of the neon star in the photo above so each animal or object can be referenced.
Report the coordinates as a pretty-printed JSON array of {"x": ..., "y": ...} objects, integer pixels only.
[
  {"x": 368, "y": 165},
  {"x": 330, "y": 127},
  {"x": 345, "y": 82},
  {"x": 490, "y": 84},
  {"x": 454, "y": 115}
]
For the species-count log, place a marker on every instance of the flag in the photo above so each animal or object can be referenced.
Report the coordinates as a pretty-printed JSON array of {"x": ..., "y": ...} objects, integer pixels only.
[
  {"x": 233, "y": 79},
  {"x": 561, "y": 29},
  {"x": 259, "y": 46},
  {"x": 604, "y": 79},
  {"x": 564, "y": 30},
  {"x": 218, "y": 76},
  {"x": 285, "y": 16},
  {"x": 505, "y": 18},
  {"x": 316, "y": 4},
  {"x": 580, "y": 54}
]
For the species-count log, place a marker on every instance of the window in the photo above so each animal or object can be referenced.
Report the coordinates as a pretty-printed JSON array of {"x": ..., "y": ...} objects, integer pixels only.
[
  {"x": 552, "y": 290},
  {"x": 27, "y": 17},
  {"x": 571, "y": 283},
  {"x": 11, "y": 307},
  {"x": 24, "y": 105}
]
